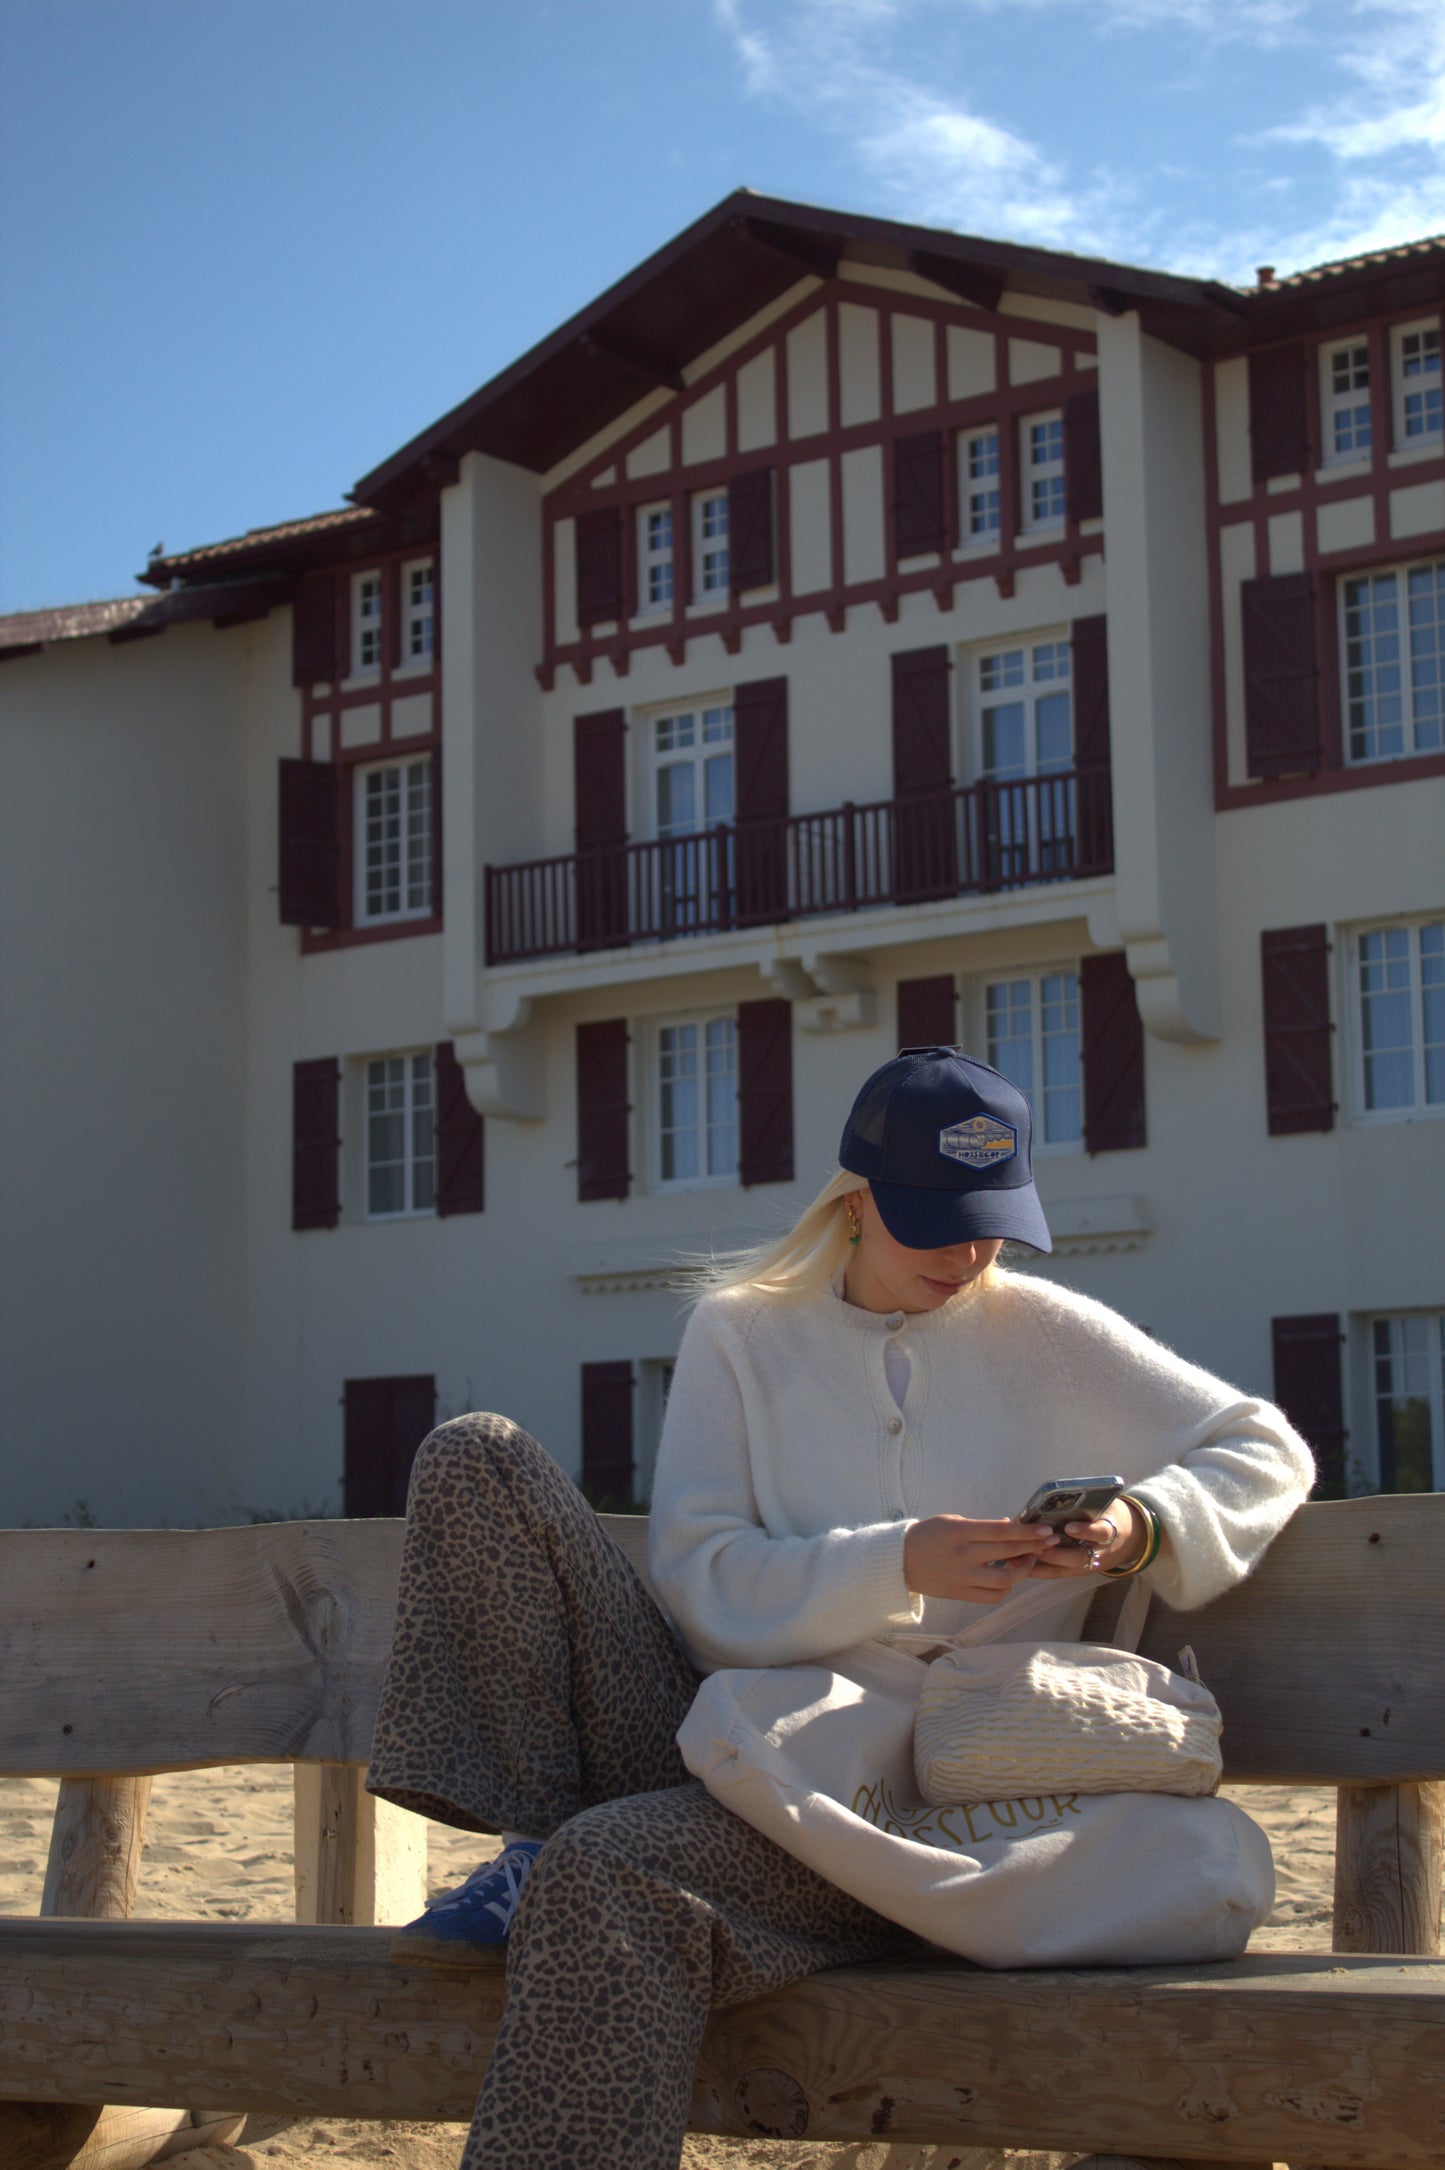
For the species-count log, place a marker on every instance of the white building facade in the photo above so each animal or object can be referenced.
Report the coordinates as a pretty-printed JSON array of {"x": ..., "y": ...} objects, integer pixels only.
[{"x": 840, "y": 636}]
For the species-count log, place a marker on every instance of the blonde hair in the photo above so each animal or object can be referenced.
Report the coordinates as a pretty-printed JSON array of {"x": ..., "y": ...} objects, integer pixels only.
[{"x": 804, "y": 1260}]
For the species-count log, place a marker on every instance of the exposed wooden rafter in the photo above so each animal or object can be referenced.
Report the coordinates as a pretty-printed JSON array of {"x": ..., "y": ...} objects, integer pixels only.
[
  {"x": 984, "y": 289},
  {"x": 655, "y": 371},
  {"x": 818, "y": 257}
]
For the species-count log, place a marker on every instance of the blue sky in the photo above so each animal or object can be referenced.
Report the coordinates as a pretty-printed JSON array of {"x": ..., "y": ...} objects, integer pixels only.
[{"x": 251, "y": 246}]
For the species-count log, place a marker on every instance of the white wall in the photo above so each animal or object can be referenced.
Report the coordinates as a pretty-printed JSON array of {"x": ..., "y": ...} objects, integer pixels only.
[{"x": 122, "y": 1140}]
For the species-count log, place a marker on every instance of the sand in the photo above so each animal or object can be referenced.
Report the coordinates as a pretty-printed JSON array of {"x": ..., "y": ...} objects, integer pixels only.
[{"x": 218, "y": 1846}]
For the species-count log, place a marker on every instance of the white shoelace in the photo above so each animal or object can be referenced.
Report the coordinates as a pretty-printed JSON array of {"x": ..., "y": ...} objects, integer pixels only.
[{"x": 513, "y": 1865}]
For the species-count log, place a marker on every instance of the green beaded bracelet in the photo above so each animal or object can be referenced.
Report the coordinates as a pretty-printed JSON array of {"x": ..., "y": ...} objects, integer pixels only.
[{"x": 1151, "y": 1549}]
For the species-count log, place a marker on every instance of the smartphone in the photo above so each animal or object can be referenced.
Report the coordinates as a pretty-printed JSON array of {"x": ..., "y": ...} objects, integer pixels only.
[{"x": 1071, "y": 1499}]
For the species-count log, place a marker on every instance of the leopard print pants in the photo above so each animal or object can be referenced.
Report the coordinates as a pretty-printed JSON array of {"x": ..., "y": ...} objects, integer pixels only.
[{"x": 534, "y": 1686}]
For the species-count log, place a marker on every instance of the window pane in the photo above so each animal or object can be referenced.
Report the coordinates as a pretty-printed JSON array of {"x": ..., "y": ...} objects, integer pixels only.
[
  {"x": 1009, "y": 1010},
  {"x": 1426, "y": 591},
  {"x": 1432, "y": 1010},
  {"x": 1385, "y": 1018},
  {"x": 1372, "y": 668},
  {"x": 1059, "y": 1035},
  {"x": 678, "y": 1101},
  {"x": 1055, "y": 731},
  {"x": 722, "y": 1097},
  {"x": 1004, "y": 745},
  {"x": 1420, "y": 372},
  {"x": 1402, "y": 1355}
]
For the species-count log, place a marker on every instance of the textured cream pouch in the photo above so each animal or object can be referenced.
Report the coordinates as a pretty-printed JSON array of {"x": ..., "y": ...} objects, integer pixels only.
[{"x": 1027, "y": 1718}]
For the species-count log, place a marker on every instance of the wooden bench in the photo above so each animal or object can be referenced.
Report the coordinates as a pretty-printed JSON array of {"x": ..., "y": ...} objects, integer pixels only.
[{"x": 124, "y": 1653}]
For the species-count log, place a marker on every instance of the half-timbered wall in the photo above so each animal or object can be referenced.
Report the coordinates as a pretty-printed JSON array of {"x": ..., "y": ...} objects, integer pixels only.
[
  {"x": 834, "y": 398},
  {"x": 1291, "y": 520},
  {"x": 357, "y": 713}
]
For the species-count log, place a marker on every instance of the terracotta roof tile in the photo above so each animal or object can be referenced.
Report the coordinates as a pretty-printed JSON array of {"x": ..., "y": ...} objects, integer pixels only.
[
  {"x": 1402, "y": 253},
  {"x": 344, "y": 519},
  {"x": 71, "y": 621}
]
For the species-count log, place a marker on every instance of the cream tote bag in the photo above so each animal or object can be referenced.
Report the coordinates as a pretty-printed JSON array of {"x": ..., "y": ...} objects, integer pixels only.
[
  {"x": 1024, "y": 1718},
  {"x": 820, "y": 1759}
]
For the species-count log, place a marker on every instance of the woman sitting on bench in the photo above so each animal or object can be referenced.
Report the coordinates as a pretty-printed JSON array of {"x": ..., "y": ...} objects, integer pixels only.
[{"x": 856, "y": 1409}]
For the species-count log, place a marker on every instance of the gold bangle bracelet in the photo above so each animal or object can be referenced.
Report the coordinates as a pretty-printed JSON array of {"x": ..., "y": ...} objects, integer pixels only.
[{"x": 1154, "y": 1538}]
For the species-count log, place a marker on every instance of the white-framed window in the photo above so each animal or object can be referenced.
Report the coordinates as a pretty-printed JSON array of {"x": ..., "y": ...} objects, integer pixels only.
[
  {"x": 695, "y": 1097},
  {"x": 692, "y": 784},
  {"x": 1415, "y": 359},
  {"x": 1345, "y": 400},
  {"x": 365, "y": 624},
  {"x": 1392, "y": 634},
  {"x": 1041, "y": 471},
  {"x": 655, "y": 558},
  {"x": 1407, "y": 1386},
  {"x": 1023, "y": 708},
  {"x": 710, "y": 545},
  {"x": 418, "y": 612},
  {"x": 394, "y": 841},
  {"x": 1023, "y": 746},
  {"x": 1397, "y": 1010},
  {"x": 980, "y": 516},
  {"x": 400, "y": 1136},
  {"x": 690, "y": 787},
  {"x": 1031, "y": 1035}
]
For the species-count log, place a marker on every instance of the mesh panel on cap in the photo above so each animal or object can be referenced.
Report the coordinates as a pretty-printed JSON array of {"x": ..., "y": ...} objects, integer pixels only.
[{"x": 870, "y": 1116}]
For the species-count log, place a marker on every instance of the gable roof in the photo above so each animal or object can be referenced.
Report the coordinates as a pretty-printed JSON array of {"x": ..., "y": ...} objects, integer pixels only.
[{"x": 706, "y": 282}]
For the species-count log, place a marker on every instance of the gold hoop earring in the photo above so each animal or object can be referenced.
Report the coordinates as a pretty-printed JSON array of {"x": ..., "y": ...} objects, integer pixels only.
[{"x": 855, "y": 1226}]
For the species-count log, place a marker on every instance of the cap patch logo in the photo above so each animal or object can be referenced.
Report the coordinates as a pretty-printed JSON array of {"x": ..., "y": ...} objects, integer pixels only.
[{"x": 979, "y": 1141}]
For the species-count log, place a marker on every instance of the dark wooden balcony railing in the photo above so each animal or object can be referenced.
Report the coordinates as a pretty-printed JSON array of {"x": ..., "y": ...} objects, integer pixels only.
[{"x": 972, "y": 839}]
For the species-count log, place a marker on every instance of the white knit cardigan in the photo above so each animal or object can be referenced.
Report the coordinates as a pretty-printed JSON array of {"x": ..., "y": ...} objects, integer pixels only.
[{"x": 787, "y": 1475}]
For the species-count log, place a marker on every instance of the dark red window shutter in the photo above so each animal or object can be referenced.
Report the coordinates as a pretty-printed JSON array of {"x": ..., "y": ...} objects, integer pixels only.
[
  {"x": 1113, "y": 1051},
  {"x": 926, "y": 816},
  {"x": 460, "y": 1140},
  {"x": 1281, "y": 675},
  {"x": 1309, "y": 1388},
  {"x": 1279, "y": 421},
  {"x": 313, "y": 631},
  {"x": 599, "y": 565},
  {"x": 919, "y": 502},
  {"x": 1298, "y": 1062},
  {"x": 750, "y": 529},
  {"x": 607, "y": 1471},
  {"x": 309, "y": 859},
  {"x": 760, "y": 732},
  {"x": 1094, "y": 839},
  {"x": 599, "y": 777},
  {"x": 316, "y": 1143},
  {"x": 1083, "y": 457},
  {"x": 603, "y": 1110},
  {"x": 765, "y": 1092},
  {"x": 386, "y": 1421},
  {"x": 926, "y": 1012},
  {"x": 599, "y": 800}
]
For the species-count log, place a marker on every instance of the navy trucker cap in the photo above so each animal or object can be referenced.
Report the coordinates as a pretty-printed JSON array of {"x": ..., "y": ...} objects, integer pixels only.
[{"x": 943, "y": 1142}]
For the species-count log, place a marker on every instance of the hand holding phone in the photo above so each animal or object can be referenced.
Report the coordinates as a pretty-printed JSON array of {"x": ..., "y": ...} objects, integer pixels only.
[{"x": 1071, "y": 1499}]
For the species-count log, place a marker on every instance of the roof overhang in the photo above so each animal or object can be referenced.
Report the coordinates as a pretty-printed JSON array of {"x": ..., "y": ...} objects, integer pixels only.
[{"x": 644, "y": 331}]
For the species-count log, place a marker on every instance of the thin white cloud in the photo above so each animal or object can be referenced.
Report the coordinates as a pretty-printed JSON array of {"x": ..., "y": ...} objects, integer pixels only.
[{"x": 851, "y": 66}]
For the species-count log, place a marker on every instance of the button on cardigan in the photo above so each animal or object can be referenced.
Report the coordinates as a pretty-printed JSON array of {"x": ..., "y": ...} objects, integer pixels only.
[{"x": 783, "y": 1494}]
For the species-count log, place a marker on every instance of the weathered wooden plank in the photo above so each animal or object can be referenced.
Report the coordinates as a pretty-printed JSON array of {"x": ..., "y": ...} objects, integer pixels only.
[
  {"x": 357, "y": 1859},
  {"x": 1389, "y": 1842},
  {"x": 134, "y": 1650},
  {"x": 1295, "y": 2058}
]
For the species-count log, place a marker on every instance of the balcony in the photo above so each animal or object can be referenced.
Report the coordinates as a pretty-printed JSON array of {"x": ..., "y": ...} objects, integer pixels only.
[{"x": 971, "y": 840}]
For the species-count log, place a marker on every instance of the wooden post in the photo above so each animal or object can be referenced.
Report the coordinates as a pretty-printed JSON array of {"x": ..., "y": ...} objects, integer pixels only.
[
  {"x": 357, "y": 1859},
  {"x": 95, "y": 1848},
  {"x": 91, "y": 1874},
  {"x": 1388, "y": 1852}
]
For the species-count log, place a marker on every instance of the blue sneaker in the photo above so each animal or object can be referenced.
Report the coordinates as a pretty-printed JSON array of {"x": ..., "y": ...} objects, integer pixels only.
[{"x": 458, "y": 1926}]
